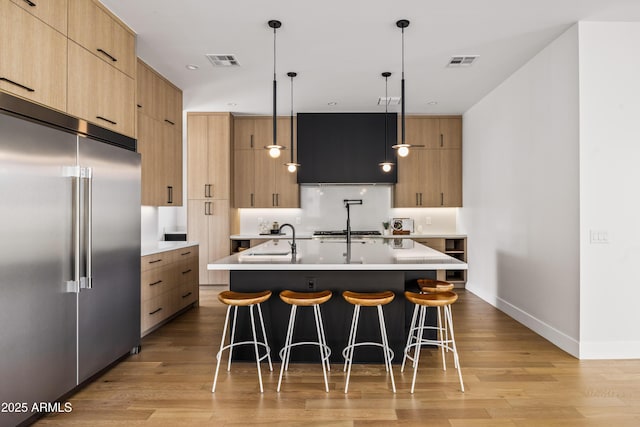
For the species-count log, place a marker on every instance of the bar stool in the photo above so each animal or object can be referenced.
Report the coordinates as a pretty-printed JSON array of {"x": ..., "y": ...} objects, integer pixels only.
[
  {"x": 358, "y": 299},
  {"x": 305, "y": 299},
  {"x": 429, "y": 286},
  {"x": 243, "y": 299},
  {"x": 423, "y": 301}
]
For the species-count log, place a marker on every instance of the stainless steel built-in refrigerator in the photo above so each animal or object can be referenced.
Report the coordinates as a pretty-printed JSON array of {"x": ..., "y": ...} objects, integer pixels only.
[{"x": 69, "y": 253}]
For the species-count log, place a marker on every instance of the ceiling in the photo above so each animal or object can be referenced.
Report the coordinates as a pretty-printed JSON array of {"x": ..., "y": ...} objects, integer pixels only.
[{"x": 339, "y": 48}]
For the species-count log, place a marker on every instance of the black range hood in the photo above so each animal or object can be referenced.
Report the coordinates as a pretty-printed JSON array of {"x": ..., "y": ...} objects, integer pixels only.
[{"x": 345, "y": 148}]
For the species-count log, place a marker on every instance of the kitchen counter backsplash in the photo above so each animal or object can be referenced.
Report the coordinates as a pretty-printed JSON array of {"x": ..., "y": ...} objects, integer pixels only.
[{"x": 322, "y": 208}]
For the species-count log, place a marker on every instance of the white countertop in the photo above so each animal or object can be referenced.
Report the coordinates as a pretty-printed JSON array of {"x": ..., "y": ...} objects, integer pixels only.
[
  {"x": 157, "y": 247},
  {"x": 330, "y": 254},
  {"x": 256, "y": 236}
]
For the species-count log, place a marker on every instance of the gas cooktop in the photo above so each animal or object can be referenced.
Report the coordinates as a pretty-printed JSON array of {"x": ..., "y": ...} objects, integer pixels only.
[{"x": 340, "y": 233}]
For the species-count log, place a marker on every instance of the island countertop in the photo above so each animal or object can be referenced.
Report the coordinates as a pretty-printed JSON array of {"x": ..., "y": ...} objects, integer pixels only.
[{"x": 331, "y": 254}]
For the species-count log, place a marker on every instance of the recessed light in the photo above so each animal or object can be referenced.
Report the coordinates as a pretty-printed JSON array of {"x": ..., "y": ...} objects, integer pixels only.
[
  {"x": 191, "y": 67},
  {"x": 232, "y": 104},
  {"x": 432, "y": 103},
  {"x": 332, "y": 103}
]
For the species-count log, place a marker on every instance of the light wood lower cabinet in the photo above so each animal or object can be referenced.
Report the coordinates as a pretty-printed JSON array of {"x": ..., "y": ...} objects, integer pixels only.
[
  {"x": 169, "y": 283},
  {"x": 208, "y": 223},
  {"x": 455, "y": 247}
]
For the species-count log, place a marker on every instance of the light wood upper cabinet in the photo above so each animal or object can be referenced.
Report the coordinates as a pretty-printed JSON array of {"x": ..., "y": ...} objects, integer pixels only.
[
  {"x": 99, "y": 92},
  {"x": 208, "y": 155},
  {"x": 158, "y": 97},
  {"x": 52, "y": 12},
  {"x": 150, "y": 149},
  {"x": 431, "y": 176},
  {"x": 33, "y": 58},
  {"x": 261, "y": 181},
  {"x": 94, "y": 28},
  {"x": 146, "y": 86}
]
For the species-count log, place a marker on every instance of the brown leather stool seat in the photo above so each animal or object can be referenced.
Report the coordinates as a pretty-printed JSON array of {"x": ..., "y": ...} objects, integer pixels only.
[
  {"x": 367, "y": 299},
  {"x": 445, "y": 338},
  {"x": 433, "y": 286},
  {"x": 305, "y": 299},
  {"x": 250, "y": 300}
]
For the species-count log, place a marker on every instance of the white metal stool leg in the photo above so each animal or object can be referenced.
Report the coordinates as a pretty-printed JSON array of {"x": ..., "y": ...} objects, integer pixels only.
[
  {"x": 264, "y": 336},
  {"x": 233, "y": 335},
  {"x": 323, "y": 344},
  {"x": 284, "y": 365},
  {"x": 219, "y": 354},
  {"x": 351, "y": 336},
  {"x": 410, "y": 338},
  {"x": 449, "y": 319},
  {"x": 351, "y": 345},
  {"x": 323, "y": 359},
  {"x": 423, "y": 312},
  {"x": 255, "y": 346},
  {"x": 385, "y": 346}
]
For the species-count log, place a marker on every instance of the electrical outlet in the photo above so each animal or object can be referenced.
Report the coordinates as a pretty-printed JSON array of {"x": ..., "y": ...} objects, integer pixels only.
[
  {"x": 311, "y": 283},
  {"x": 599, "y": 236},
  {"x": 427, "y": 220}
]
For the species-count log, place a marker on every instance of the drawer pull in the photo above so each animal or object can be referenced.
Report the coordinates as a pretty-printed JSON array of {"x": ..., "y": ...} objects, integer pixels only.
[
  {"x": 107, "y": 55},
  {"x": 155, "y": 283},
  {"x": 169, "y": 121},
  {"x": 186, "y": 272},
  {"x": 27, "y": 88},
  {"x": 106, "y": 120},
  {"x": 30, "y": 3},
  {"x": 185, "y": 253},
  {"x": 187, "y": 294},
  {"x": 155, "y": 311},
  {"x": 155, "y": 260},
  {"x": 139, "y": 106},
  {"x": 169, "y": 194}
]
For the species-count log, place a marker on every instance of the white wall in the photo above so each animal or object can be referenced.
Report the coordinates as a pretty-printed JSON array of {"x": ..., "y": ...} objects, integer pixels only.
[
  {"x": 609, "y": 193},
  {"x": 521, "y": 194}
]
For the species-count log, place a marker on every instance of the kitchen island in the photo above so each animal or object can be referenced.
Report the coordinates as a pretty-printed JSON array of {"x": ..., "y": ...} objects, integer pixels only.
[{"x": 365, "y": 265}]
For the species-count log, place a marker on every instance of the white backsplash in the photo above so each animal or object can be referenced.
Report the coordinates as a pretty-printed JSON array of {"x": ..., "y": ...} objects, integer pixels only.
[{"x": 322, "y": 208}]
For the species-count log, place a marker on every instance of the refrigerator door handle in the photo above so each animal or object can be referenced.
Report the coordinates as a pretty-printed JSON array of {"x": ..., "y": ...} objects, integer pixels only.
[
  {"x": 73, "y": 172},
  {"x": 88, "y": 249}
]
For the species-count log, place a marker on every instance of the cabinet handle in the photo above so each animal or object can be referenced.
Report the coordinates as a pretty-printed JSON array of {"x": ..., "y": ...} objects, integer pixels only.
[
  {"x": 417, "y": 202},
  {"x": 169, "y": 121},
  {"x": 27, "y": 88},
  {"x": 273, "y": 199},
  {"x": 207, "y": 208},
  {"x": 420, "y": 199},
  {"x": 155, "y": 311},
  {"x": 441, "y": 140},
  {"x": 251, "y": 143},
  {"x": 155, "y": 283},
  {"x": 252, "y": 199},
  {"x": 207, "y": 190},
  {"x": 155, "y": 260},
  {"x": 187, "y": 294},
  {"x": 170, "y": 194},
  {"x": 30, "y": 3},
  {"x": 139, "y": 106},
  {"x": 106, "y": 120},
  {"x": 107, "y": 55},
  {"x": 187, "y": 272},
  {"x": 277, "y": 199},
  {"x": 185, "y": 253},
  {"x": 441, "y": 199}
]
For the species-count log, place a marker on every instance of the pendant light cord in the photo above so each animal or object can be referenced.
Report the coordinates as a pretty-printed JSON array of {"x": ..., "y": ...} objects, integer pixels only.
[
  {"x": 291, "y": 121},
  {"x": 275, "y": 134},
  {"x": 402, "y": 85},
  {"x": 386, "y": 118}
]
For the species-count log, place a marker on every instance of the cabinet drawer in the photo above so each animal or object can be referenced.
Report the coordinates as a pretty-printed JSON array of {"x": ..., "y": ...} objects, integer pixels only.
[
  {"x": 53, "y": 12},
  {"x": 100, "y": 93},
  {"x": 93, "y": 28},
  {"x": 156, "y": 281},
  {"x": 33, "y": 62},
  {"x": 186, "y": 253},
  {"x": 154, "y": 310},
  {"x": 156, "y": 260},
  {"x": 186, "y": 272},
  {"x": 188, "y": 293},
  {"x": 436, "y": 243}
]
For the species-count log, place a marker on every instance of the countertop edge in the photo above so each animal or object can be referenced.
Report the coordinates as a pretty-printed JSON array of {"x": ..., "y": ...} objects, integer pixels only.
[
  {"x": 308, "y": 235},
  {"x": 164, "y": 246}
]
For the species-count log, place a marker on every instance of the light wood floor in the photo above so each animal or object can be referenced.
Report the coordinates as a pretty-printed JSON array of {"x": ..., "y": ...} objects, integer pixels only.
[{"x": 512, "y": 378}]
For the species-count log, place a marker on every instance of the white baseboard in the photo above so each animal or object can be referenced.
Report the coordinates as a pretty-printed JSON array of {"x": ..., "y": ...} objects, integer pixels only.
[
  {"x": 556, "y": 337},
  {"x": 598, "y": 350}
]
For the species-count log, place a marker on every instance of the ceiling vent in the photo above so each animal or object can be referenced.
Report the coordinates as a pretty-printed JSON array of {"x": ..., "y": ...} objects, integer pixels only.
[
  {"x": 390, "y": 100},
  {"x": 223, "y": 60},
  {"x": 462, "y": 60}
]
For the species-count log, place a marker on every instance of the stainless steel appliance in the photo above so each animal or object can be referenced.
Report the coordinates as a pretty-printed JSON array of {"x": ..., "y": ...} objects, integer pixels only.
[{"x": 69, "y": 253}]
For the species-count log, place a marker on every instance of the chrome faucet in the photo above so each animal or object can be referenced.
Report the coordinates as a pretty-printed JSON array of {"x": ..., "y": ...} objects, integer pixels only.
[
  {"x": 347, "y": 204},
  {"x": 293, "y": 242}
]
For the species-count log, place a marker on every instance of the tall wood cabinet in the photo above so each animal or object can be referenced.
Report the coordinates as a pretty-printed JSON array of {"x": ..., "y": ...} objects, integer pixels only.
[
  {"x": 159, "y": 105},
  {"x": 209, "y": 138},
  {"x": 431, "y": 175},
  {"x": 261, "y": 181}
]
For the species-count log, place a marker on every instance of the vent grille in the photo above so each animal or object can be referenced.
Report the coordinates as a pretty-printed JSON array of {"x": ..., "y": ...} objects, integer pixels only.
[
  {"x": 218, "y": 60},
  {"x": 390, "y": 100},
  {"x": 462, "y": 60}
]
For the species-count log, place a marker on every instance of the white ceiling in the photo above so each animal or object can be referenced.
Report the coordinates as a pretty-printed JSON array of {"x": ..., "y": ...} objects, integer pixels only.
[{"x": 339, "y": 48}]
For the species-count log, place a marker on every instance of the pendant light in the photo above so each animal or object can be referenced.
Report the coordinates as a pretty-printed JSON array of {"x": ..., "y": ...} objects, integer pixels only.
[
  {"x": 274, "y": 148},
  {"x": 386, "y": 165},
  {"x": 292, "y": 166},
  {"x": 403, "y": 148}
]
